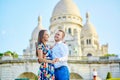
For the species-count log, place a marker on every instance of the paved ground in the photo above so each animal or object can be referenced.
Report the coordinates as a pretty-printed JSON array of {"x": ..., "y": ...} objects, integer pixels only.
[{"x": 98, "y": 78}]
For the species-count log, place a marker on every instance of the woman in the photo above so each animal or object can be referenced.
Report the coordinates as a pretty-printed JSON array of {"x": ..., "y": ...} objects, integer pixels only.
[
  {"x": 46, "y": 70},
  {"x": 94, "y": 74}
]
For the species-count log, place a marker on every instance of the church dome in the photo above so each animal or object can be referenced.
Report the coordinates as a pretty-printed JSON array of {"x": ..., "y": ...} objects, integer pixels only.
[
  {"x": 37, "y": 29},
  {"x": 88, "y": 28},
  {"x": 66, "y": 7}
]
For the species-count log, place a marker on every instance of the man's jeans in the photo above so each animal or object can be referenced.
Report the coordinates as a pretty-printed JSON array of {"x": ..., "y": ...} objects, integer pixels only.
[{"x": 62, "y": 73}]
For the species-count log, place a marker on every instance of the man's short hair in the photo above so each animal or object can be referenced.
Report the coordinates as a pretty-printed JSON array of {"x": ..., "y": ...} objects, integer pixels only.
[{"x": 62, "y": 33}]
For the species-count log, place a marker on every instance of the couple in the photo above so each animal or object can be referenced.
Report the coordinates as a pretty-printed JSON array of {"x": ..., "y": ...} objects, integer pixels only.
[{"x": 53, "y": 61}]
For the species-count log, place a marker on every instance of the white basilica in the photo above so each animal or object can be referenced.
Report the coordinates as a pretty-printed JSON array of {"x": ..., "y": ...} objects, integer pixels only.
[{"x": 82, "y": 40}]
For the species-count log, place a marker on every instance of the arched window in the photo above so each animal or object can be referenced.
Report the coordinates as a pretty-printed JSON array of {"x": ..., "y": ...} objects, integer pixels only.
[
  {"x": 70, "y": 52},
  {"x": 59, "y": 17},
  {"x": 89, "y": 41},
  {"x": 89, "y": 54},
  {"x": 64, "y": 16},
  {"x": 69, "y": 16},
  {"x": 74, "y": 17},
  {"x": 69, "y": 44},
  {"x": 69, "y": 30},
  {"x": 54, "y": 18}
]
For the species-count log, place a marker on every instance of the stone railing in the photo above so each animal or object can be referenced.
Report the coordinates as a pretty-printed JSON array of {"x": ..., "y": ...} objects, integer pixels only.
[
  {"x": 93, "y": 58},
  {"x": 70, "y": 58}
]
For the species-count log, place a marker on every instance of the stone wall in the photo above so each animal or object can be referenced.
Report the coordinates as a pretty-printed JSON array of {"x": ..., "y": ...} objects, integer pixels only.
[
  {"x": 12, "y": 69},
  {"x": 85, "y": 69}
]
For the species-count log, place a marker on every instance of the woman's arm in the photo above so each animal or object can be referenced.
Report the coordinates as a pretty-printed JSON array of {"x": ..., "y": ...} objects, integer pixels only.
[{"x": 41, "y": 59}]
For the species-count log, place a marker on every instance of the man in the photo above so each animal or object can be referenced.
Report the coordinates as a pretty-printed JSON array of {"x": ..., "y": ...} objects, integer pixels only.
[{"x": 60, "y": 53}]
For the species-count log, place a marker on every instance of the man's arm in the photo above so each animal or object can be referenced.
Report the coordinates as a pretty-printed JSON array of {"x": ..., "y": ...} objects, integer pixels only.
[
  {"x": 64, "y": 52},
  {"x": 62, "y": 59}
]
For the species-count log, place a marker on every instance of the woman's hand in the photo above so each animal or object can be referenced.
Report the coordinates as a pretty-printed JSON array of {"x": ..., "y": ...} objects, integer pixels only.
[{"x": 52, "y": 46}]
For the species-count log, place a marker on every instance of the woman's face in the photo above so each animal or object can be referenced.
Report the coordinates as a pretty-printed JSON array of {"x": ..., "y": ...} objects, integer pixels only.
[{"x": 45, "y": 36}]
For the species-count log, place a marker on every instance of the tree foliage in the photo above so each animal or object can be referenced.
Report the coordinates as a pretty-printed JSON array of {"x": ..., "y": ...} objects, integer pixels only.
[
  {"x": 107, "y": 55},
  {"x": 9, "y": 53},
  {"x": 15, "y": 55}
]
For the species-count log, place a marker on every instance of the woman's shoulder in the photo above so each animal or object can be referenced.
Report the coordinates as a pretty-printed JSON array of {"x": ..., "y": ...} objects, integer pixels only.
[{"x": 40, "y": 45}]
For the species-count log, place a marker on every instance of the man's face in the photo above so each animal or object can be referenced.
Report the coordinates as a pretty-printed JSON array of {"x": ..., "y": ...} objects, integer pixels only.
[{"x": 58, "y": 36}]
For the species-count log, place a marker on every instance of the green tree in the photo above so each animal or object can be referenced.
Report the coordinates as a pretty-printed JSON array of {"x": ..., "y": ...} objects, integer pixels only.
[
  {"x": 107, "y": 55},
  {"x": 8, "y": 53},
  {"x": 15, "y": 55},
  {"x": 109, "y": 75}
]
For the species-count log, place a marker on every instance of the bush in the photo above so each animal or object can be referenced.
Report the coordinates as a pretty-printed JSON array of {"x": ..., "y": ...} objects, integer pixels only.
[
  {"x": 109, "y": 75},
  {"x": 1, "y": 54},
  {"x": 15, "y": 55},
  {"x": 114, "y": 79},
  {"x": 9, "y": 53},
  {"x": 22, "y": 79},
  {"x": 107, "y": 55}
]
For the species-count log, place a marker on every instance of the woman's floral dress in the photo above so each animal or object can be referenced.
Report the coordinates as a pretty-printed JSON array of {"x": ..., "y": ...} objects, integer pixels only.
[{"x": 46, "y": 70}]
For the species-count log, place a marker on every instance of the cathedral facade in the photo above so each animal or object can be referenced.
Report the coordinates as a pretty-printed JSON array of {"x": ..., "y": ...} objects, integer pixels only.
[{"x": 82, "y": 40}]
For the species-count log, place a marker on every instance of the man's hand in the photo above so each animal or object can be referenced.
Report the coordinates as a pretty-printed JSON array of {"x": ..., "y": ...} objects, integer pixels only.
[{"x": 55, "y": 60}]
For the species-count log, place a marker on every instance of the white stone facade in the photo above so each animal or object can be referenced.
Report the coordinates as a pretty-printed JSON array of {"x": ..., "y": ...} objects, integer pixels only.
[
  {"x": 31, "y": 49},
  {"x": 82, "y": 39}
]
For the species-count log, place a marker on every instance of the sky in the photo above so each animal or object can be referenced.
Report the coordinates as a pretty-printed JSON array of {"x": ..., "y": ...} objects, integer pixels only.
[{"x": 18, "y": 18}]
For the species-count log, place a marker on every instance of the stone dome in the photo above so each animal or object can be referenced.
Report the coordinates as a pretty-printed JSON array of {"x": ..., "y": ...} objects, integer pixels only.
[
  {"x": 66, "y": 7},
  {"x": 35, "y": 32},
  {"x": 88, "y": 28}
]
